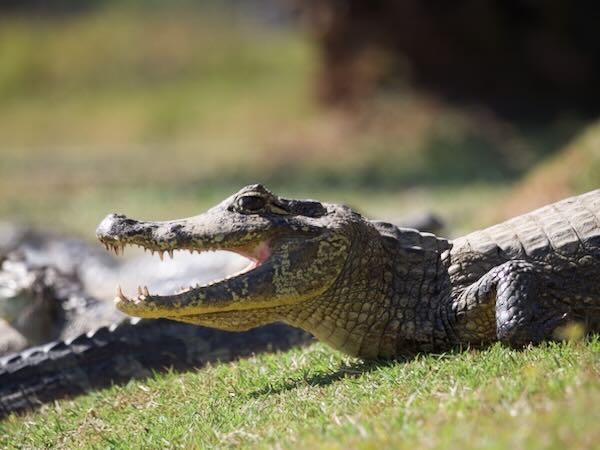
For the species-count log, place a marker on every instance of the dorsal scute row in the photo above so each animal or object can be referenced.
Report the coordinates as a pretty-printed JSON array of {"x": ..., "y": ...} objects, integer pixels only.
[
  {"x": 566, "y": 228},
  {"x": 23, "y": 359}
]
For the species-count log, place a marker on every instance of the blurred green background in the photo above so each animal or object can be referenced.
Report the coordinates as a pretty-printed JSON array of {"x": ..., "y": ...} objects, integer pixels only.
[{"x": 160, "y": 109}]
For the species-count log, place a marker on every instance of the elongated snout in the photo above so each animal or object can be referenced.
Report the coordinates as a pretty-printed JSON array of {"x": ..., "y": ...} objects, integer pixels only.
[
  {"x": 118, "y": 230},
  {"x": 196, "y": 233}
]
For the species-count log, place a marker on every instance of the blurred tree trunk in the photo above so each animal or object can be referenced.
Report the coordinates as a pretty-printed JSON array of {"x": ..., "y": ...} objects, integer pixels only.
[{"x": 517, "y": 56}]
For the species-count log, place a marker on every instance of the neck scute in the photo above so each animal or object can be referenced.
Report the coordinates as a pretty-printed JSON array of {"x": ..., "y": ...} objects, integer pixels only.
[{"x": 419, "y": 288}]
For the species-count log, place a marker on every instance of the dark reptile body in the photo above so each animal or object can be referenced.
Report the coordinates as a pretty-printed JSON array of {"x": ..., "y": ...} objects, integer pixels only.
[
  {"x": 120, "y": 353},
  {"x": 522, "y": 279},
  {"x": 402, "y": 291}
]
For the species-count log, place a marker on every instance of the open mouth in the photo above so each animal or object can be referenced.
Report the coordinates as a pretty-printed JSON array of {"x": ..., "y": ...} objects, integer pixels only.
[{"x": 256, "y": 255}]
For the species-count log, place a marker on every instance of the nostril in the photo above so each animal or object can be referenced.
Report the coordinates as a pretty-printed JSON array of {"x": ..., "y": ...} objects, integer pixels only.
[{"x": 110, "y": 225}]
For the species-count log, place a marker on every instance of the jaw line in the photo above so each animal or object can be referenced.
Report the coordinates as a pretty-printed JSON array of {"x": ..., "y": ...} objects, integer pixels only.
[{"x": 145, "y": 304}]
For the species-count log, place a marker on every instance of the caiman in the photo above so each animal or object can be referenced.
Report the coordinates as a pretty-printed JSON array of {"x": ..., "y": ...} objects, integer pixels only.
[
  {"x": 375, "y": 290},
  {"x": 52, "y": 287},
  {"x": 125, "y": 351}
]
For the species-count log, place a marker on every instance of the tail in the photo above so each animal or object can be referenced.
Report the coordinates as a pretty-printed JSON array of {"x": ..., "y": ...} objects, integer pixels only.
[{"x": 130, "y": 350}]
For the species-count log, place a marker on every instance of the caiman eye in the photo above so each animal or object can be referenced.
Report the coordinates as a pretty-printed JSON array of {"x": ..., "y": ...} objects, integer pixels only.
[{"x": 251, "y": 203}]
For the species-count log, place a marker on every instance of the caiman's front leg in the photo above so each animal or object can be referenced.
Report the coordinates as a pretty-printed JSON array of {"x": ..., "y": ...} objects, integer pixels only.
[{"x": 513, "y": 295}]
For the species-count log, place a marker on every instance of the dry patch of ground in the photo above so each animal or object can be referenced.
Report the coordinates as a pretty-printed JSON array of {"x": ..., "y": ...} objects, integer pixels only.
[{"x": 574, "y": 170}]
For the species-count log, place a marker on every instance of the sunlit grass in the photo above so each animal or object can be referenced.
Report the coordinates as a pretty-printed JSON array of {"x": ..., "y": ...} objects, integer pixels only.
[{"x": 546, "y": 397}]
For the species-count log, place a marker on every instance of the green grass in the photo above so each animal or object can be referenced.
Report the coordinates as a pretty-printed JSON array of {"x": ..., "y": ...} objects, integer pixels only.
[{"x": 544, "y": 397}]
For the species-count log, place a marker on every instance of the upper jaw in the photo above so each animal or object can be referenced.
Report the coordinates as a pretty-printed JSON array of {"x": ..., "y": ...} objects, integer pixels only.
[
  {"x": 199, "y": 233},
  {"x": 196, "y": 234},
  {"x": 117, "y": 231}
]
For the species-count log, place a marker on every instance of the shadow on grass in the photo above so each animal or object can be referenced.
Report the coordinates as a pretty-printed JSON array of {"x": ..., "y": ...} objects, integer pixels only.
[
  {"x": 344, "y": 371},
  {"x": 326, "y": 378}
]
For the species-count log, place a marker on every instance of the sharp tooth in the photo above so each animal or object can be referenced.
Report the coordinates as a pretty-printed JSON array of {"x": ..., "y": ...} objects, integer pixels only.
[
  {"x": 139, "y": 291},
  {"x": 122, "y": 249},
  {"x": 171, "y": 254},
  {"x": 106, "y": 246},
  {"x": 120, "y": 293},
  {"x": 146, "y": 292},
  {"x": 162, "y": 255}
]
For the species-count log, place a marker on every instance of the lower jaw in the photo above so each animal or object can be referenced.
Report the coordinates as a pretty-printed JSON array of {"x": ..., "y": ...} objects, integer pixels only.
[{"x": 234, "y": 320}]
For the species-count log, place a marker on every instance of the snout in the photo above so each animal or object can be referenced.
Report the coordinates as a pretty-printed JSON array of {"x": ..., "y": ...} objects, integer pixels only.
[
  {"x": 117, "y": 231},
  {"x": 114, "y": 226}
]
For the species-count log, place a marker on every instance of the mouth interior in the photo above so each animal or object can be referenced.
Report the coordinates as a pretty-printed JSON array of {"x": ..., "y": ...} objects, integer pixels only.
[{"x": 187, "y": 271}]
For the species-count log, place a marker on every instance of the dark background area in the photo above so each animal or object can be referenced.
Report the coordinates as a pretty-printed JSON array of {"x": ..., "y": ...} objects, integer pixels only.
[{"x": 529, "y": 60}]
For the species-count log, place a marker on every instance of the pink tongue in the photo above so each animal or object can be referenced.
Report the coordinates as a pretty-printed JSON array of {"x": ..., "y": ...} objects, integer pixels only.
[{"x": 259, "y": 253}]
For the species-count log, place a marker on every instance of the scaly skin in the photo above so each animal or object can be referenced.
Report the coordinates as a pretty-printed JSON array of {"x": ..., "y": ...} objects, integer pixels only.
[{"x": 372, "y": 289}]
